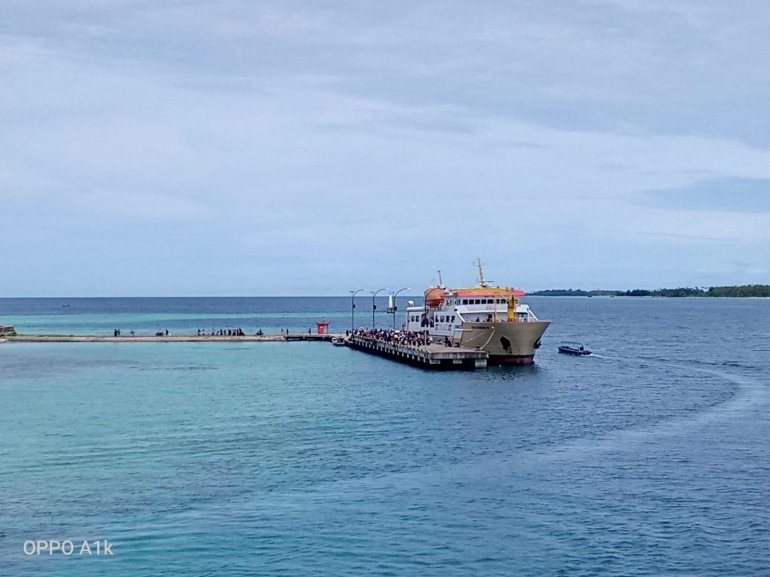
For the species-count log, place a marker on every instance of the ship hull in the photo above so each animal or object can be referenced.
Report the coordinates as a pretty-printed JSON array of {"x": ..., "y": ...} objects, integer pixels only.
[
  {"x": 507, "y": 343},
  {"x": 508, "y": 360}
]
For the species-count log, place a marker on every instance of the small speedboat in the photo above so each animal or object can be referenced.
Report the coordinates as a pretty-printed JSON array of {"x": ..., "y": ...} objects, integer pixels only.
[
  {"x": 576, "y": 349},
  {"x": 338, "y": 341}
]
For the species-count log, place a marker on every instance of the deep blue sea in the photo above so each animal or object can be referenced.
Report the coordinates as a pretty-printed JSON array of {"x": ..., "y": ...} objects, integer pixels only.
[{"x": 651, "y": 457}]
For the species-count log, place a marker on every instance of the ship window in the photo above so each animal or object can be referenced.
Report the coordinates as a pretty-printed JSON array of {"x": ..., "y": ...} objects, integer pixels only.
[
  {"x": 478, "y": 302},
  {"x": 453, "y": 318},
  {"x": 465, "y": 301}
]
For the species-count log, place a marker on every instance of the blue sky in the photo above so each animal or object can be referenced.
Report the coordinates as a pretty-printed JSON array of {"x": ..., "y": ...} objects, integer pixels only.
[{"x": 266, "y": 148}]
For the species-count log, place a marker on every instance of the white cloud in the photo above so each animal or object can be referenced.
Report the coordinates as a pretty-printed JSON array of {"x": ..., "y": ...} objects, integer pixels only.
[{"x": 380, "y": 139}]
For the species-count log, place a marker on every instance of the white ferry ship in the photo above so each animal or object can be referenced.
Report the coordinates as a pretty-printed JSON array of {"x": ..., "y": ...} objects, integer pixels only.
[{"x": 490, "y": 318}]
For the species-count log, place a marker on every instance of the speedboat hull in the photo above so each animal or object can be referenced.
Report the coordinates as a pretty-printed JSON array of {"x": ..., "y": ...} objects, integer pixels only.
[{"x": 575, "y": 352}]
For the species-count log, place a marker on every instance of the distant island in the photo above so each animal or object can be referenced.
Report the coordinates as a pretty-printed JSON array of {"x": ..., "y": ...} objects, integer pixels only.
[{"x": 745, "y": 291}]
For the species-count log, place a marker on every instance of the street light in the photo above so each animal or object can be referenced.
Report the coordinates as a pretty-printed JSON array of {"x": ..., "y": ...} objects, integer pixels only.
[
  {"x": 395, "y": 305},
  {"x": 374, "y": 306},
  {"x": 353, "y": 308}
]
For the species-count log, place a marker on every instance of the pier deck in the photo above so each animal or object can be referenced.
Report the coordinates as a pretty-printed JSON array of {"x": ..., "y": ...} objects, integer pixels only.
[
  {"x": 434, "y": 356},
  {"x": 166, "y": 339}
]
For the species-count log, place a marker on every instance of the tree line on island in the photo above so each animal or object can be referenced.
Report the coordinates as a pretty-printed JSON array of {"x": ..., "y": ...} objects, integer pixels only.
[{"x": 745, "y": 291}]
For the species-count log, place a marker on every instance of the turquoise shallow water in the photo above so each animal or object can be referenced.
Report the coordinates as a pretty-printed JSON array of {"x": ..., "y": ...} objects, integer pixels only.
[{"x": 651, "y": 458}]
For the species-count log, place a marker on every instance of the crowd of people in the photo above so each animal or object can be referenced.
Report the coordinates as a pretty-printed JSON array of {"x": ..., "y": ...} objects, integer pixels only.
[
  {"x": 411, "y": 338},
  {"x": 116, "y": 333},
  {"x": 225, "y": 333},
  {"x": 201, "y": 333}
]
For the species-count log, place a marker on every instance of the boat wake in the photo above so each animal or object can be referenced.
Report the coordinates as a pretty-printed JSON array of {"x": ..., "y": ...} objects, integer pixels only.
[{"x": 750, "y": 395}]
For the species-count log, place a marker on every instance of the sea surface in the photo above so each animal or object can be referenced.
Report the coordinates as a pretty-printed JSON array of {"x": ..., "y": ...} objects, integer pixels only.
[{"x": 651, "y": 457}]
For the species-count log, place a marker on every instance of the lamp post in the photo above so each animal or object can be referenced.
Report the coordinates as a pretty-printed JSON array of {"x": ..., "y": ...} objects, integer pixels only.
[
  {"x": 374, "y": 306},
  {"x": 395, "y": 305},
  {"x": 353, "y": 308}
]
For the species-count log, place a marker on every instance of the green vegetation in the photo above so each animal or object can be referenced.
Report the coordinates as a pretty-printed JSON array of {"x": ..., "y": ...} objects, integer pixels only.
[
  {"x": 562, "y": 293},
  {"x": 754, "y": 290}
]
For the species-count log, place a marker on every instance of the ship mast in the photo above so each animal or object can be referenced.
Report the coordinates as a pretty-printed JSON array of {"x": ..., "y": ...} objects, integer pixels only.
[
  {"x": 440, "y": 281},
  {"x": 482, "y": 282}
]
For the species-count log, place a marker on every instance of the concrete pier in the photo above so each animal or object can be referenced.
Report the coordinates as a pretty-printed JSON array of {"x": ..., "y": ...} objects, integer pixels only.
[
  {"x": 434, "y": 356},
  {"x": 167, "y": 339}
]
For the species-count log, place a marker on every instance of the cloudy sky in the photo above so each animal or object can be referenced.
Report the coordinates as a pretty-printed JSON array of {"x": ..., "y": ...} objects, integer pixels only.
[{"x": 240, "y": 147}]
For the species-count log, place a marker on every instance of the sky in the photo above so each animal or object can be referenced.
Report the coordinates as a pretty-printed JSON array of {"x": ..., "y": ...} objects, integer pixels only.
[{"x": 193, "y": 148}]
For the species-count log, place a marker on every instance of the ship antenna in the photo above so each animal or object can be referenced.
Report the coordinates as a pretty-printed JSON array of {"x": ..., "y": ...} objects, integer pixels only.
[
  {"x": 440, "y": 281},
  {"x": 482, "y": 282}
]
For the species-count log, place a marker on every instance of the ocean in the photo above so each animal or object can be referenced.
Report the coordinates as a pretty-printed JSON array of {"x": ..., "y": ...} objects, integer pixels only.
[{"x": 651, "y": 457}]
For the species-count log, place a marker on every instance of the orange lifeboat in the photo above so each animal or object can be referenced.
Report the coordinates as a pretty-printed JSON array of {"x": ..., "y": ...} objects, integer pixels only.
[{"x": 434, "y": 297}]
